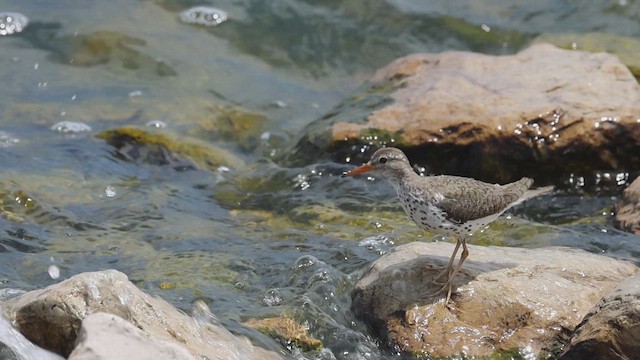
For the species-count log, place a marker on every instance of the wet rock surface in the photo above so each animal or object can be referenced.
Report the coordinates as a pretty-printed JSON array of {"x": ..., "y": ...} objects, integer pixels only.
[
  {"x": 628, "y": 209},
  {"x": 542, "y": 112},
  {"x": 52, "y": 317},
  {"x": 611, "y": 329},
  {"x": 506, "y": 298}
]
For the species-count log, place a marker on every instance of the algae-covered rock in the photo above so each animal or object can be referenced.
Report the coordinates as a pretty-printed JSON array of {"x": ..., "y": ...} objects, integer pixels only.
[
  {"x": 231, "y": 124},
  {"x": 624, "y": 47},
  {"x": 111, "y": 48},
  {"x": 287, "y": 330},
  {"x": 15, "y": 204},
  {"x": 163, "y": 149}
]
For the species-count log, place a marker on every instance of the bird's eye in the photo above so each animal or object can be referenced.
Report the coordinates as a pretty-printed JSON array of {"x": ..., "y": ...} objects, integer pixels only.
[{"x": 383, "y": 160}]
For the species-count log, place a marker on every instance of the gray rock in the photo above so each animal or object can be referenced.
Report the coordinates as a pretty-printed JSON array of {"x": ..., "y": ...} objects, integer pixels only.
[
  {"x": 611, "y": 330},
  {"x": 109, "y": 337},
  {"x": 51, "y": 318},
  {"x": 628, "y": 209},
  {"x": 506, "y": 297}
]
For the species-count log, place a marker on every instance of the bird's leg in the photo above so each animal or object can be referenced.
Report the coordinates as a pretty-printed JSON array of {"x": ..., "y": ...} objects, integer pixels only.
[
  {"x": 447, "y": 271},
  {"x": 463, "y": 257},
  {"x": 448, "y": 285}
]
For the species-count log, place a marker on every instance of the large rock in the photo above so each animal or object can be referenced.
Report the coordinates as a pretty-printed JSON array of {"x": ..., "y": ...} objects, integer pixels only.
[
  {"x": 52, "y": 317},
  {"x": 542, "y": 112},
  {"x": 611, "y": 330},
  {"x": 506, "y": 297},
  {"x": 628, "y": 209},
  {"x": 109, "y": 337}
]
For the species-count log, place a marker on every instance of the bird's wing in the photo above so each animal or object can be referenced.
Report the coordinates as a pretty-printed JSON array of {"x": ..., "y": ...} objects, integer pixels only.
[{"x": 471, "y": 199}]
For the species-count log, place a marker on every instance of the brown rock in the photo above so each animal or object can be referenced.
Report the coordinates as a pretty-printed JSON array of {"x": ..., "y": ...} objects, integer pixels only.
[
  {"x": 543, "y": 111},
  {"x": 611, "y": 330},
  {"x": 288, "y": 330},
  {"x": 506, "y": 298},
  {"x": 628, "y": 209},
  {"x": 51, "y": 317}
]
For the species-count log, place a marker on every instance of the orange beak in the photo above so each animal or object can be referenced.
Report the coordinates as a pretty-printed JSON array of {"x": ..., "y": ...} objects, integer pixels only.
[{"x": 359, "y": 170}]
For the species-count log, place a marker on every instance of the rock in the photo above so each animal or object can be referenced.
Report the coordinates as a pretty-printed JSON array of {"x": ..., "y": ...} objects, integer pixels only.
[
  {"x": 286, "y": 329},
  {"x": 627, "y": 209},
  {"x": 506, "y": 297},
  {"x": 160, "y": 148},
  {"x": 109, "y": 337},
  {"x": 611, "y": 330},
  {"x": 52, "y": 317},
  {"x": 542, "y": 112}
]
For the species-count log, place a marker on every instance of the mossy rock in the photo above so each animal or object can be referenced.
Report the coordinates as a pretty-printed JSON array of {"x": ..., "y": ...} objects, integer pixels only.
[
  {"x": 231, "y": 124},
  {"x": 114, "y": 49},
  {"x": 164, "y": 149},
  {"x": 287, "y": 330}
]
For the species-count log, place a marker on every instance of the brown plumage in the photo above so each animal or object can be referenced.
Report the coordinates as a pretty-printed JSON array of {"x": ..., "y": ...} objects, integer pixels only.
[{"x": 449, "y": 205}]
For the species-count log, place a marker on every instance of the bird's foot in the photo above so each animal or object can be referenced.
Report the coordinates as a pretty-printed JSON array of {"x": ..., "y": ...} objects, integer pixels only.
[
  {"x": 447, "y": 287},
  {"x": 446, "y": 273}
]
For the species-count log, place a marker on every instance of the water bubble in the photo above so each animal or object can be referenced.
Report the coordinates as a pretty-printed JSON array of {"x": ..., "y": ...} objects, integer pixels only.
[
  {"x": 204, "y": 15},
  {"x": 135, "y": 93},
  {"x": 159, "y": 124},
  {"x": 54, "y": 271},
  {"x": 110, "y": 191},
  {"x": 305, "y": 261},
  {"x": 70, "y": 127},
  {"x": 272, "y": 297},
  {"x": 12, "y": 23},
  {"x": 7, "y": 140},
  {"x": 280, "y": 104}
]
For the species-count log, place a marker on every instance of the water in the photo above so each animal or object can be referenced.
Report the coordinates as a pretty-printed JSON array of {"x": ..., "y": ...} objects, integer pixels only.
[{"x": 249, "y": 238}]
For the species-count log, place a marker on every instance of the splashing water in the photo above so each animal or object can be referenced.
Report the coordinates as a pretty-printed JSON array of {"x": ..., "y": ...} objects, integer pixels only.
[{"x": 19, "y": 347}]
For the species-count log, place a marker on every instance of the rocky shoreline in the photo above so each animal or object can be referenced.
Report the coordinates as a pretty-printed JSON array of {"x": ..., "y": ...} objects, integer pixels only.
[{"x": 544, "y": 112}]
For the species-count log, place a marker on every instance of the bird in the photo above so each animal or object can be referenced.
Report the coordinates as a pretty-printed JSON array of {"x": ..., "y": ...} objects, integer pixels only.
[{"x": 448, "y": 205}]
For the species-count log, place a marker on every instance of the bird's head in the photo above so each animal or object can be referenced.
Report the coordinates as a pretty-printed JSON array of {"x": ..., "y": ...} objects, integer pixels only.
[{"x": 389, "y": 162}]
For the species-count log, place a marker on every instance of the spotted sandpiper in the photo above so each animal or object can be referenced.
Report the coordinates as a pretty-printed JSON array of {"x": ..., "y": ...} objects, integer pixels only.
[{"x": 448, "y": 205}]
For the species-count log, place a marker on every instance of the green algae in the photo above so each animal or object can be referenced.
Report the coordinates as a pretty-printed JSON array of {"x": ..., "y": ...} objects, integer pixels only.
[
  {"x": 203, "y": 155},
  {"x": 287, "y": 330},
  {"x": 230, "y": 123}
]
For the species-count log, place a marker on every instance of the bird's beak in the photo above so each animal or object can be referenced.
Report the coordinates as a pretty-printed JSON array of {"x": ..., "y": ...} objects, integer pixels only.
[{"x": 359, "y": 170}]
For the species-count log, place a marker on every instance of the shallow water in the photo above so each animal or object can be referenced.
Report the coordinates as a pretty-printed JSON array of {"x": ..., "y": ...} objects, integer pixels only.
[{"x": 253, "y": 239}]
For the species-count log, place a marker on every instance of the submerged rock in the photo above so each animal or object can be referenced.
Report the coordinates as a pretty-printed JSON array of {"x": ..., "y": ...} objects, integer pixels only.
[
  {"x": 542, "y": 112},
  {"x": 52, "y": 317},
  {"x": 628, "y": 209},
  {"x": 158, "y": 148},
  {"x": 611, "y": 329},
  {"x": 506, "y": 298},
  {"x": 286, "y": 329}
]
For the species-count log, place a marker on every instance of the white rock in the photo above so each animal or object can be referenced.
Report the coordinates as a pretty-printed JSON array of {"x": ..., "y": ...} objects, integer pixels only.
[{"x": 109, "y": 337}]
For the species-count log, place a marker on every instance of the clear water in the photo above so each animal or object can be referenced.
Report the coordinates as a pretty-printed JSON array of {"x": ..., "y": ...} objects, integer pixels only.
[{"x": 255, "y": 239}]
